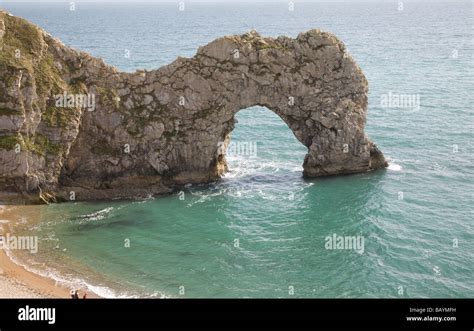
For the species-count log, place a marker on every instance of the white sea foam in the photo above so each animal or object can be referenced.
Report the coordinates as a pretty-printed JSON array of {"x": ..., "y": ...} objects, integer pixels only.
[
  {"x": 394, "y": 167},
  {"x": 69, "y": 281},
  {"x": 98, "y": 215},
  {"x": 241, "y": 167}
]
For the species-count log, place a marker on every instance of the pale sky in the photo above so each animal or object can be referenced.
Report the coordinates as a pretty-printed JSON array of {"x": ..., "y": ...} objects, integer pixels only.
[{"x": 230, "y": 1}]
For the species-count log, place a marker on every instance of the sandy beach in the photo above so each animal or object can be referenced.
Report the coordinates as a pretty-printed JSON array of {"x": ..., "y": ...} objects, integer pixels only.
[{"x": 15, "y": 280}]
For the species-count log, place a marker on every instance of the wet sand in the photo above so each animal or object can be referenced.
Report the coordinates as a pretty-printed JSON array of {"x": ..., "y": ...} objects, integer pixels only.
[{"x": 15, "y": 280}]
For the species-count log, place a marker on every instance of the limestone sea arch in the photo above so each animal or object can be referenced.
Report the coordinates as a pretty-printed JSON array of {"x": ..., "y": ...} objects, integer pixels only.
[{"x": 143, "y": 133}]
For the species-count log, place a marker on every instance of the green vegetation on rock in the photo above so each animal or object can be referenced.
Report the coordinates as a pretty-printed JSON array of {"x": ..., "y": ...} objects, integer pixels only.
[
  {"x": 109, "y": 97},
  {"x": 77, "y": 86},
  {"x": 48, "y": 77},
  {"x": 9, "y": 142},
  {"x": 23, "y": 48},
  {"x": 41, "y": 145},
  {"x": 58, "y": 117},
  {"x": 38, "y": 144},
  {"x": 8, "y": 111}
]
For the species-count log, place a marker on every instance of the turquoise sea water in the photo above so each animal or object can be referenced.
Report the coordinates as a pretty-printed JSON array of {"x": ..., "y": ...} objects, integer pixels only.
[{"x": 260, "y": 232}]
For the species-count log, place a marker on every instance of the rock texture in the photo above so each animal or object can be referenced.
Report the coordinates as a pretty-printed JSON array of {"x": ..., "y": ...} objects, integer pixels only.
[{"x": 152, "y": 130}]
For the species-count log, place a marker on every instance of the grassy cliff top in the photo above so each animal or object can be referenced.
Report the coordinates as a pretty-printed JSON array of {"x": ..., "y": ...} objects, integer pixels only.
[
  {"x": 23, "y": 47},
  {"x": 21, "y": 42}
]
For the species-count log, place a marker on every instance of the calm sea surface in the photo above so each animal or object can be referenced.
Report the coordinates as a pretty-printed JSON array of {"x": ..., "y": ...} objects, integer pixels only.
[{"x": 261, "y": 231}]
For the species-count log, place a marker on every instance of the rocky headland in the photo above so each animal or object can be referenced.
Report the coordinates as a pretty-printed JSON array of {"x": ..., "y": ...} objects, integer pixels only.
[{"x": 74, "y": 128}]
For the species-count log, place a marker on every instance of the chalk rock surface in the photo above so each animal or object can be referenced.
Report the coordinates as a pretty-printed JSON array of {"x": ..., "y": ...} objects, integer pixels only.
[{"x": 73, "y": 127}]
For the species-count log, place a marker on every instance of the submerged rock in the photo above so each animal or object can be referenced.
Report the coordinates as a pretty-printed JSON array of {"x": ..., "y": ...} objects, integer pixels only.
[{"x": 73, "y": 127}]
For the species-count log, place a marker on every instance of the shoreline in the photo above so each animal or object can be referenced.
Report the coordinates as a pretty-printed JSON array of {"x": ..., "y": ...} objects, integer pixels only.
[{"x": 18, "y": 282}]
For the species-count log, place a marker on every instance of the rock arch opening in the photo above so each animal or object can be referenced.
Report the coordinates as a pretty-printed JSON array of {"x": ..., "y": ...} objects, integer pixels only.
[{"x": 261, "y": 143}]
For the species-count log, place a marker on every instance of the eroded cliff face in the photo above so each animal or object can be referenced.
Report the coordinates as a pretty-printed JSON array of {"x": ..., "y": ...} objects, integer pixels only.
[{"x": 151, "y": 130}]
